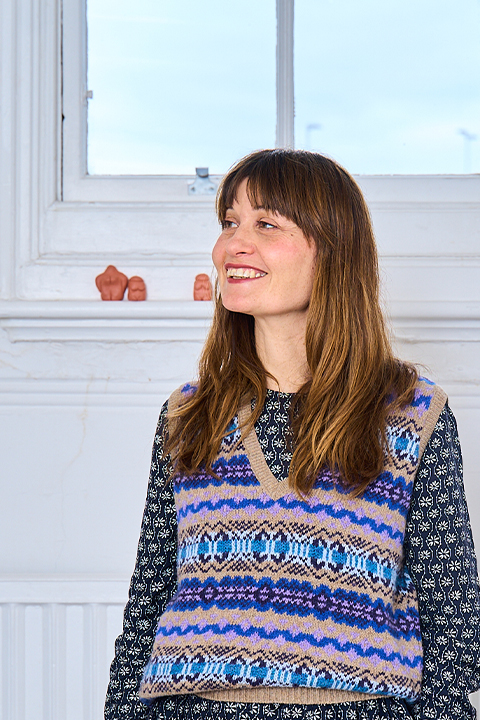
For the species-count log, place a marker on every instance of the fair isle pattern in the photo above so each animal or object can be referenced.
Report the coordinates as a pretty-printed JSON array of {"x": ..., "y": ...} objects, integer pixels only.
[
  {"x": 277, "y": 592},
  {"x": 270, "y": 547}
]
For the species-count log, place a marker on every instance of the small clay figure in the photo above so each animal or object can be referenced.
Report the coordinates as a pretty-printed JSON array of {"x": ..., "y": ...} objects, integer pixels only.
[
  {"x": 202, "y": 289},
  {"x": 137, "y": 290},
  {"x": 112, "y": 284}
]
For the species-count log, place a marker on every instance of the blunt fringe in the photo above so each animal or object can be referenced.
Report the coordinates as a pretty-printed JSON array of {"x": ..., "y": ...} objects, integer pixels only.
[{"x": 340, "y": 413}]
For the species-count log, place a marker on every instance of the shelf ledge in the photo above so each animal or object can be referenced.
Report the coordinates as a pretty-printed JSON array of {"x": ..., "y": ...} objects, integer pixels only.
[
  {"x": 97, "y": 321},
  {"x": 188, "y": 321}
]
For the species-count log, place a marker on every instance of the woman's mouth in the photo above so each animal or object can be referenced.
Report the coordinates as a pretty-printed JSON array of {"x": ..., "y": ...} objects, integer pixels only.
[{"x": 240, "y": 273}]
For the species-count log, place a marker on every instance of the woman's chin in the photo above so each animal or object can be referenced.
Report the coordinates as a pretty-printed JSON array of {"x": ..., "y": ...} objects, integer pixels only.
[
  {"x": 237, "y": 307},
  {"x": 240, "y": 305}
]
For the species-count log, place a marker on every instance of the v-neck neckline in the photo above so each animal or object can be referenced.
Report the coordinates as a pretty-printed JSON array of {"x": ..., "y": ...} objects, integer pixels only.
[{"x": 276, "y": 489}]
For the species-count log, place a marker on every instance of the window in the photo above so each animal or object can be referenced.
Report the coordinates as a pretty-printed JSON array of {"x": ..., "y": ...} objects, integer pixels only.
[{"x": 179, "y": 84}]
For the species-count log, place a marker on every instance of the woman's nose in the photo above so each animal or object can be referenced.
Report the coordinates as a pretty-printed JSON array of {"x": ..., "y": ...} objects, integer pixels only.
[{"x": 241, "y": 242}]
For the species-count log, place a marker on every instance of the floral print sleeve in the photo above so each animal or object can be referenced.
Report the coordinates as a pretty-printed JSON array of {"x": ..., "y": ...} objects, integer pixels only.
[
  {"x": 440, "y": 557},
  {"x": 153, "y": 584}
]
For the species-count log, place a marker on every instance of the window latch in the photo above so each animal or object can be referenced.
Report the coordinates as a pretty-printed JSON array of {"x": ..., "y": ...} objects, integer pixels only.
[{"x": 202, "y": 185}]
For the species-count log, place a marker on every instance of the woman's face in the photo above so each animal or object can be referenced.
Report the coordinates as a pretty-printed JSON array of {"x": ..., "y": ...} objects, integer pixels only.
[{"x": 264, "y": 262}]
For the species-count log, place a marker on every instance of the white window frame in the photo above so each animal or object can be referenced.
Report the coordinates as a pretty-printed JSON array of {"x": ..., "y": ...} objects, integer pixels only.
[{"x": 59, "y": 226}]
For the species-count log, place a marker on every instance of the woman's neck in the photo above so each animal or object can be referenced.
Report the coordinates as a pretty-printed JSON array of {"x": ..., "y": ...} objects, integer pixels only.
[{"x": 281, "y": 349}]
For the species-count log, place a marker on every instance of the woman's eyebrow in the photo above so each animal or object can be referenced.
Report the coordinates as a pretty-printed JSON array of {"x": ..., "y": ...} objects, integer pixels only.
[{"x": 255, "y": 207}]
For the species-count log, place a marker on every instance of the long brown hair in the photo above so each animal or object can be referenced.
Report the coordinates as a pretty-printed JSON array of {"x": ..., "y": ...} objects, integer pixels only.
[{"x": 340, "y": 412}]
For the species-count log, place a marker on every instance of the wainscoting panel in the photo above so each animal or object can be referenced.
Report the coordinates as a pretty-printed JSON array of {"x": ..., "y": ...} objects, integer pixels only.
[{"x": 55, "y": 655}]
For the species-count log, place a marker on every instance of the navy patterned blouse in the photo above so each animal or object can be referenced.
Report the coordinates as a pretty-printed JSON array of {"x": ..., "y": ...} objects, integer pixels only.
[{"x": 439, "y": 555}]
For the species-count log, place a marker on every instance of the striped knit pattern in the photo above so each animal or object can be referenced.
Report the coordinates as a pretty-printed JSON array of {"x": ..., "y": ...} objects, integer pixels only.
[{"x": 278, "y": 592}]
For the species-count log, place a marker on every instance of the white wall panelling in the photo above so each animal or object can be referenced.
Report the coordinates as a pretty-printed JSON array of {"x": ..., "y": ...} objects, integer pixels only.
[{"x": 57, "y": 639}]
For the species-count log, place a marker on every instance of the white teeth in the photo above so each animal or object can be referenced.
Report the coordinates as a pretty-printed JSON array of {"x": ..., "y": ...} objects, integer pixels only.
[{"x": 244, "y": 273}]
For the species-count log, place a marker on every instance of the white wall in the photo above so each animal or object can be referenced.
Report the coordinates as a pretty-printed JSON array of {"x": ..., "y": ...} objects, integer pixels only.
[{"x": 81, "y": 382}]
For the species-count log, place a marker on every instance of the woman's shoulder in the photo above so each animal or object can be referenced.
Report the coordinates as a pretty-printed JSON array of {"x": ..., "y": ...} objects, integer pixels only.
[
  {"x": 180, "y": 395},
  {"x": 422, "y": 412},
  {"x": 428, "y": 396}
]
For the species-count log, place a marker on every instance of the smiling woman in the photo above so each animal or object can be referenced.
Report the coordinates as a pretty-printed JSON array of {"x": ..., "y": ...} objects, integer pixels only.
[
  {"x": 281, "y": 568},
  {"x": 311, "y": 325},
  {"x": 265, "y": 264}
]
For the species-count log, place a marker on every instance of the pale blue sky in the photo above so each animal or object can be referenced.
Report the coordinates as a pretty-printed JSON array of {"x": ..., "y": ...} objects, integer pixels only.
[{"x": 383, "y": 86}]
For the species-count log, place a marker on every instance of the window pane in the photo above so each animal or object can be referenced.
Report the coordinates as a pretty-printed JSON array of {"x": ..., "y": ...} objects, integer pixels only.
[
  {"x": 389, "y": 87},
  {"x": 179, "y": 84}
]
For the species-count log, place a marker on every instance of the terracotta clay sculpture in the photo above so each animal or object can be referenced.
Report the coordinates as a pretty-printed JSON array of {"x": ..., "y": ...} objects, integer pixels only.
[
  {"x": 137, "y": 290},
  {"x": 202, "y": 289},
  {"x": 112, "y": 284}
]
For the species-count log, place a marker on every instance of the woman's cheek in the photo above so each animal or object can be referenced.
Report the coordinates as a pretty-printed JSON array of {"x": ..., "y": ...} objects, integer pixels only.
[{"x": 216, "y": 254}]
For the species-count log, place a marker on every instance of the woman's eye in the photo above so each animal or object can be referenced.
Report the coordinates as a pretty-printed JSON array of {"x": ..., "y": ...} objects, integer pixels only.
[
  {"x": 266, "y": 225},
  {"x": 226, "y": 224}
]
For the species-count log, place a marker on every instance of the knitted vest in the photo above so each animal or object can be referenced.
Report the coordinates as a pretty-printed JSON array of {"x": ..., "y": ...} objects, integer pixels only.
[{"x": 287, "y": 600}]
